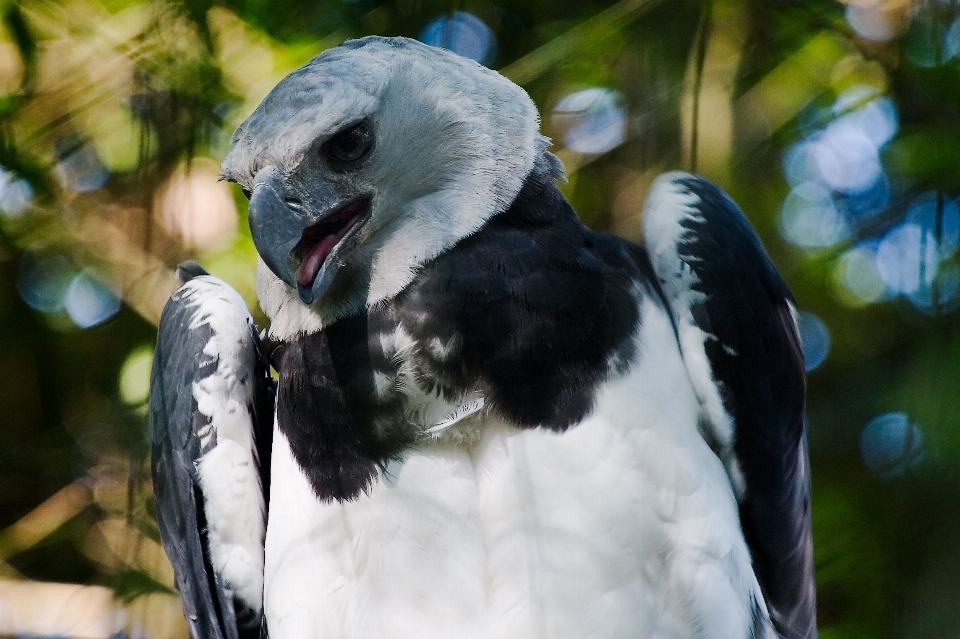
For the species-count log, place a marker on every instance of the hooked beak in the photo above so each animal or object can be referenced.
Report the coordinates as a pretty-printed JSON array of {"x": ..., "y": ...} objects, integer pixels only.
[{"x": 303, "y": 246}]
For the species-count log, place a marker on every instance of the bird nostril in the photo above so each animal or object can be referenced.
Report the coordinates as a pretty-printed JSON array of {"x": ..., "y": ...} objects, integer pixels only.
[{"x": 292, "y": 201}]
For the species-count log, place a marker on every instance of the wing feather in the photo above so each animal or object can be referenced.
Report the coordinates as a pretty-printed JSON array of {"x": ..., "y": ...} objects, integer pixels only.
[
  {"x": 211, "y": 413},
  {"x": 735, "y": 323}
]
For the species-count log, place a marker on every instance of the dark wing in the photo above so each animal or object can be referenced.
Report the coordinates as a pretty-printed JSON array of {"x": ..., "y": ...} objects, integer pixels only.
[
  {"x": 735, "y": 324},
  {"x": 211, "y": 417}
]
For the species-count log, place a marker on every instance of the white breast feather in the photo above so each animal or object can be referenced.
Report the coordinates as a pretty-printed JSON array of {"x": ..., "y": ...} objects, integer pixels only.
[{"x": 624, "y": 526}]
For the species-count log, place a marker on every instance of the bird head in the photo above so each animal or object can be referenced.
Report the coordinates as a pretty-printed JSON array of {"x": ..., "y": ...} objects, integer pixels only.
[{"x": 372, "y": 159}]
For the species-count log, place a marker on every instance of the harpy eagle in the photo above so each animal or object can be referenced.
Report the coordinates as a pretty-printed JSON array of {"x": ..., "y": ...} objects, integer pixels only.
[{"x": 490, "y": 421}]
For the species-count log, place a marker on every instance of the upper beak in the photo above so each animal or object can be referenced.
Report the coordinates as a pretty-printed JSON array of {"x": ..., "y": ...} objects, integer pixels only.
[
  {"x": 275, "y": 226},
  {"x": 296, "y": 240}
]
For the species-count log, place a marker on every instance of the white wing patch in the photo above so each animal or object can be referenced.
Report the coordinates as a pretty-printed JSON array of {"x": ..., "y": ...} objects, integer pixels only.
[
  {"x": 668, "y": 206},
  {"x": 228, "y": 467}
]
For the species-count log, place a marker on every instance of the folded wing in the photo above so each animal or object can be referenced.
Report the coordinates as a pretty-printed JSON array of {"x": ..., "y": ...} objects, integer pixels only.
[
  {"x": 735, "y": 323},
  {"x": 211, "y": 416}
]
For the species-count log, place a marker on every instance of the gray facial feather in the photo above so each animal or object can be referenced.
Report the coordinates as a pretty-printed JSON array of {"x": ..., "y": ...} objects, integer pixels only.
[{"x": 454, "y": 143}]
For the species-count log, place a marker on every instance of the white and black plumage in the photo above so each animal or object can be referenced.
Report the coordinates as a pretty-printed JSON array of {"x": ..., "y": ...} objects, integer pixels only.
[{"x": 490, "y": 421}]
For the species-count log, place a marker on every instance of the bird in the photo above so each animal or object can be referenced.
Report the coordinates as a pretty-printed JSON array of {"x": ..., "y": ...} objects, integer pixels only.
[{"x": 471, "y": 415}]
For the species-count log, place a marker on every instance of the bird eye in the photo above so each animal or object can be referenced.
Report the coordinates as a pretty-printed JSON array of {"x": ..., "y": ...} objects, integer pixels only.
[{"x": 347, "y": 148}]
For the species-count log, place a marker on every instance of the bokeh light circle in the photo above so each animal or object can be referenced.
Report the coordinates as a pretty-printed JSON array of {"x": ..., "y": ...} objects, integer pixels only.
[
  {"x": 856, "y": 271},
  {"x": 44, "y": 279},
  {"x": 907, "y": 258},
  {"x": 871, "y": 22},
  {"x": 939, "y": 218},
  {"x": 15, "y": 194},
  {"x": 890, "y": 444},
  {"x": 89, "y": 300},
  {"x": 847, "y": 157},
  {"x": 815, "y": 338},
  {"x": 135, "y": 376},
  {"x": 463, "y": 33},
  {"x": 592, "y": 120},
  {"x": 82, "y": 170},
  {"x": 810, "y": 219}
]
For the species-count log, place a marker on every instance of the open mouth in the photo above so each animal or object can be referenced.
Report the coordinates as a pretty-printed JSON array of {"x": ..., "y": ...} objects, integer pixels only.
[{"x": 320, "y": 239}]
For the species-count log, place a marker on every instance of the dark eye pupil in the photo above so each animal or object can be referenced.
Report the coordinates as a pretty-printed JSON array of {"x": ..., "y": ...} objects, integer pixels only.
[{"x": 351, "y": 145}]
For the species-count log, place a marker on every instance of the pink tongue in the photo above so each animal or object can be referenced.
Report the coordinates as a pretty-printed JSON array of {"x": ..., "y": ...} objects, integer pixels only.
[{"x": 314, "y": 260}]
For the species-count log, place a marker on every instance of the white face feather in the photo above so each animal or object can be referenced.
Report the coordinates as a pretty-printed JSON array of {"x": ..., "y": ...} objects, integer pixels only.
[{"x": 454, "y": 143}]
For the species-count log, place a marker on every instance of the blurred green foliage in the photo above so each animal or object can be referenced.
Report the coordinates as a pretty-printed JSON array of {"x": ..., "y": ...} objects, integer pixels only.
[{"x": 113, "y": 114}]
